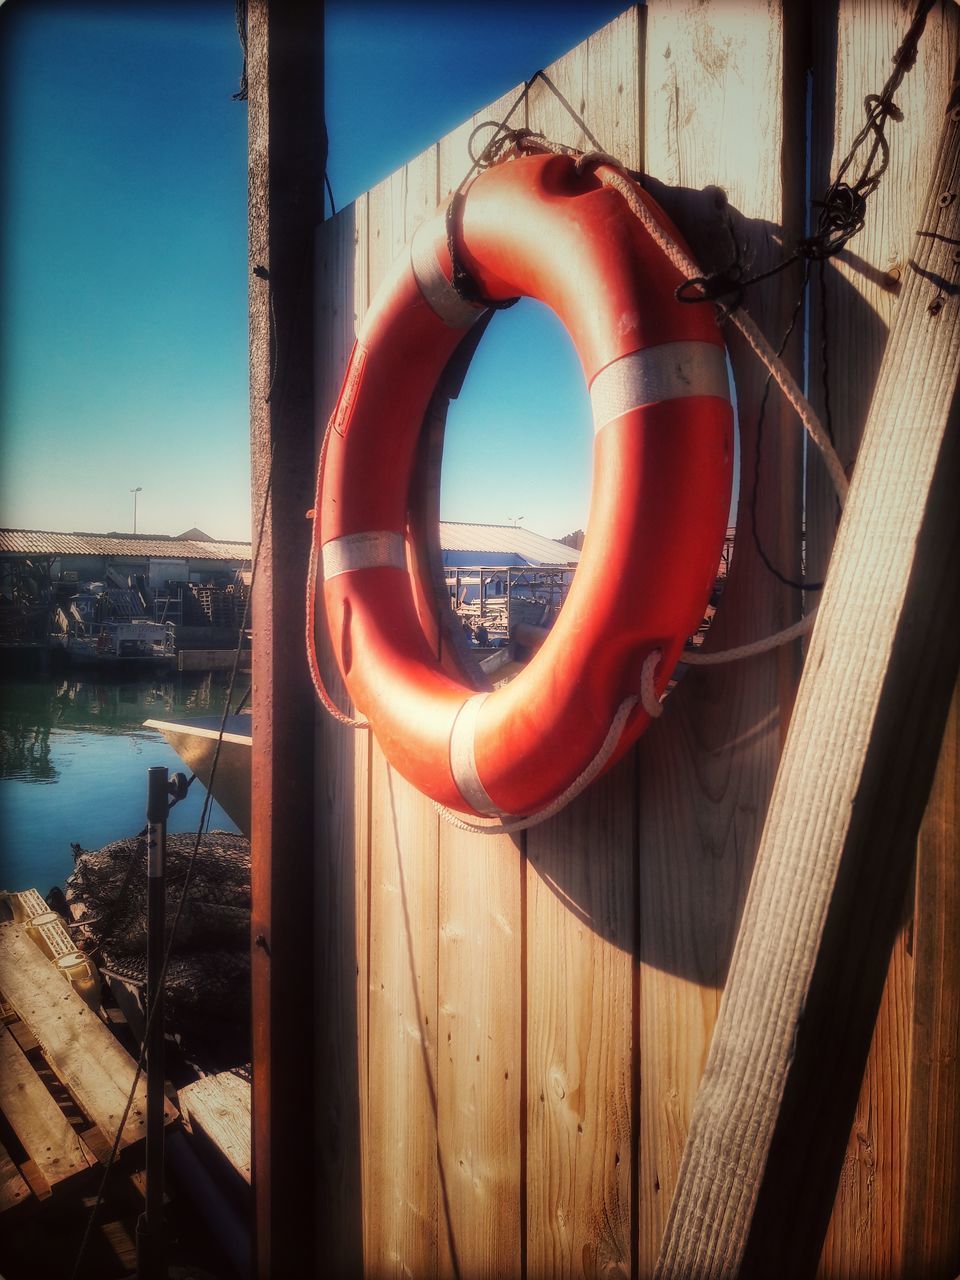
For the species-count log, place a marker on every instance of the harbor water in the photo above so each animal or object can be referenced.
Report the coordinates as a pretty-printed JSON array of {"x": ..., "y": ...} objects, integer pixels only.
[{"x": 73, "y": 764}]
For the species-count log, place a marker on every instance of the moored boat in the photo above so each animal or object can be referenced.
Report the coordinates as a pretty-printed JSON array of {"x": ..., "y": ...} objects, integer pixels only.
[{"x": 128, "y": 643}]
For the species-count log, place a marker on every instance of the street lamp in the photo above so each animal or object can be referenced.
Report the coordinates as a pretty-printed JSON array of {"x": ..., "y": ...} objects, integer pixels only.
[{"x": 138, "y": 489}]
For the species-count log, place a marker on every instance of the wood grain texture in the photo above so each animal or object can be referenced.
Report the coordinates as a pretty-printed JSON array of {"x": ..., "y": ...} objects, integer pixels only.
[
  {"x": 287, "y": 149},
  {"x": 819, "y": 922},
  {"x": 854, "y": 298},
  {"x": 580, "y": 922},
  {"x": 853, "y": 44},
  {"x": 404, "y": 1177},
  {"x": 480, "y": 1062},
  {"x": 930, "y": 1214},
  {"x": 720, "y": 96},
  {"x": 36, "y": 1119},
  {"x": 219, "y": 1107},
  {"x": 405, "y": 1174},
  {"x": 95, "y": 1067},
  {"x": 342, "y": 808},
  {"x": 580, "y": 1038},
  {"x": 479, "y": 926},
  {"x": 13, "y": 1189}
]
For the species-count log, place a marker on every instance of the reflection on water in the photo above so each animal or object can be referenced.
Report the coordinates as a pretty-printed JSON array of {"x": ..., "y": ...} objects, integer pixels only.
[{"x": 82, "y": 736}]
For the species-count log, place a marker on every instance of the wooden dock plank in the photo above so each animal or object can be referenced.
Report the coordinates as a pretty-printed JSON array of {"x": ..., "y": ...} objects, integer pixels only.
[
  {"x": 96, "y": 1069},
  {"x": 35, "y": 1118},
  {"x": 13, "y": 1189},
  {"x": 219, "y": 1107}
]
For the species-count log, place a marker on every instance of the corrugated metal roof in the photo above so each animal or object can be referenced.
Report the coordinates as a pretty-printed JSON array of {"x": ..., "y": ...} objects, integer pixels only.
[
  {"x": 500, "y": 542},
  {"x": 504, "y": 540},
  {"x": 40, "y": 542}
]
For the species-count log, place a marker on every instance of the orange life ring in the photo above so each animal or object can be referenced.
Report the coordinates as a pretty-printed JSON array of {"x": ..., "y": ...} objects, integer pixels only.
[{"x": 540, "y": 227}]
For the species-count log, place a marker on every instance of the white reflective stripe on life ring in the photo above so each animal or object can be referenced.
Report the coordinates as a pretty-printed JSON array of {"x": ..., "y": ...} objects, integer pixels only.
[
  {"x": 463, "y": 758},
  {"x": 438, "y": 292},
  {"x": 380, "y": 549},
  {"x": 672, "y": 371}
]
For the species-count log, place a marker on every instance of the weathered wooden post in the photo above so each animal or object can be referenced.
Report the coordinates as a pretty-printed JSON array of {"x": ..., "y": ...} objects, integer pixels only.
[{"x": 287, "y": 147}]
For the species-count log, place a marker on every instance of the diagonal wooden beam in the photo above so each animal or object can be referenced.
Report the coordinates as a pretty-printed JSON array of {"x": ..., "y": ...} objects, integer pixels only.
[{"x": 771, "y": 1118}]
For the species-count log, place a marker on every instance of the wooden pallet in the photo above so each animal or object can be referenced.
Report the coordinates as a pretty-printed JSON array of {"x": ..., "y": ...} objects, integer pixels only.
[{"x": 64, "y": 1078}]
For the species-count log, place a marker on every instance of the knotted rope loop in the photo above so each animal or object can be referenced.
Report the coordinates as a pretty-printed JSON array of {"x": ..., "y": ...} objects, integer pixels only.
[
  {"x": 461, "y": 279},
  {"x": 502, "y": 139},
  {"x": 843, "y": 211}
]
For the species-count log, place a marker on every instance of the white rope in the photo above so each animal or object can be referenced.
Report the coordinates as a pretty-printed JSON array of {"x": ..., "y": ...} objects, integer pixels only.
[
  {"x": 694, "y": 658},
  {"x": 648, "y": 694}
]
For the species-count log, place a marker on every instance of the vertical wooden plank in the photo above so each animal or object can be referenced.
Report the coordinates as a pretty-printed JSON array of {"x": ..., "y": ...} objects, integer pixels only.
[
  {"x": 480, "y": 1074},
  {"x": 853, "y": 45},
  {"x": 403, "y": 1182},
  {"x": 580, "y": 1082},
  {"x": 590, "y": 98},
  {"x": 480, "y": 1063},
  {"x": 759, "y": 1175},
  {"x": 853, "y": 301},
  {"x": 723, "y": 108},
  {"x": 931, "y": 1183},
  {"x": 341, "y": 813},
  {"x": 580, "y": 916},
  {"x": 406, "y": 1202}
]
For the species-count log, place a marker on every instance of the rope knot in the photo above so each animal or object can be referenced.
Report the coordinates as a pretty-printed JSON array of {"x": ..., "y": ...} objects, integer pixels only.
[
  {"x": 493, "y": 152},
  {"x": 722, "y": 287},
  {"x": 593, "y": 158},
  {"x": 842, "y": 214}
]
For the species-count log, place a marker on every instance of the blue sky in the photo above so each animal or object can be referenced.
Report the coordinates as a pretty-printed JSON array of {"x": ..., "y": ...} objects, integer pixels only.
[{"x": 123, "y": 342}]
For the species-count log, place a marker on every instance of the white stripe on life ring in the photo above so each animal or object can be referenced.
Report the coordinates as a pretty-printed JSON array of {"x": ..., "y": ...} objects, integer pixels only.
[
  {"x": 381, "y": 549},
  {"x": 438, "y": 292},
  {"x": 463, "y": 758},
  {"x": 672, "y": 371}
]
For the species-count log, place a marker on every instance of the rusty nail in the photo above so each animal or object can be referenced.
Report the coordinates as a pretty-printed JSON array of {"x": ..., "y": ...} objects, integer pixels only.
[
  {"x": 945, "y": 199},
  {"x": 891, "y": 278},
  {"x": 955, "y": 113},
  {"x": 936, "y": 306},
  {"x": 956, "y": 255}
]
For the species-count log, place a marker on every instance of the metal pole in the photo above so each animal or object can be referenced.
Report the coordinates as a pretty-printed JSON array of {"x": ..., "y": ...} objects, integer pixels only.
[
  {"x": 151, "y": 1261},
  {"x": 138, "y": 489}
]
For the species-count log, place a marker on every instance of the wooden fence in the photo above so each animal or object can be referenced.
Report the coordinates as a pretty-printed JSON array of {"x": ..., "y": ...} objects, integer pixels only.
[{"x": 511, "y": 1031}]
